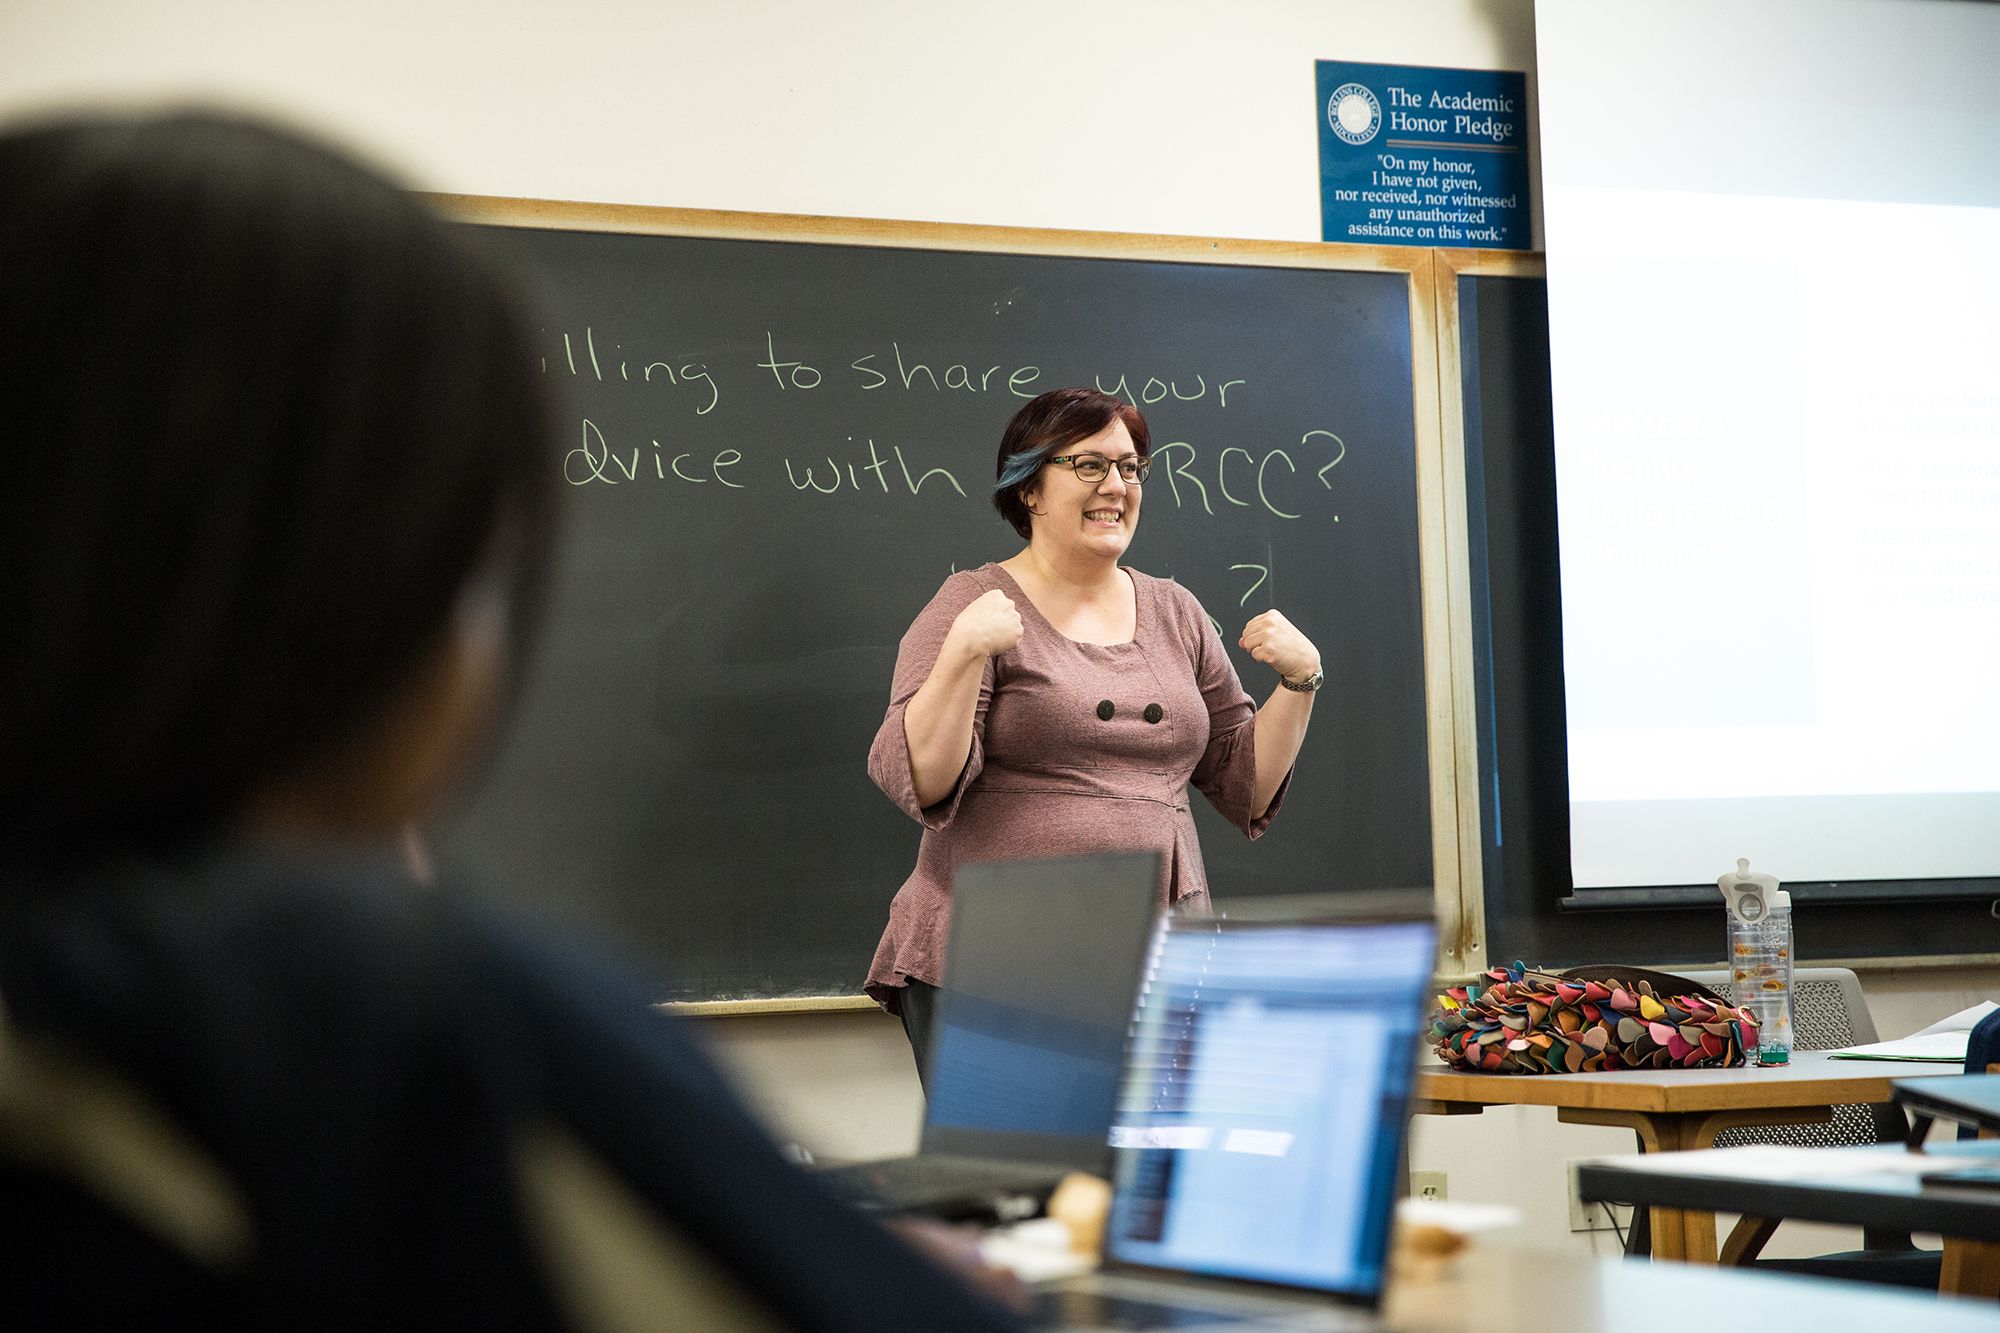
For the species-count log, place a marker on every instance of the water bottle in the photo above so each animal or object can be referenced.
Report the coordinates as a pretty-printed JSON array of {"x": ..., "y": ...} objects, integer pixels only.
[{"x": 1760, "y": 957}]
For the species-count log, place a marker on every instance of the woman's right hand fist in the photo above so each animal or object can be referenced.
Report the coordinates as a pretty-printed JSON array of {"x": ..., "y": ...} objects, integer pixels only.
[{"x": 988, "y": 627}]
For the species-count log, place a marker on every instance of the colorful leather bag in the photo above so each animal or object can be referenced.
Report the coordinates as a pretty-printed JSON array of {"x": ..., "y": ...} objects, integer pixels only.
[{"x": 1517, "y": 1020}]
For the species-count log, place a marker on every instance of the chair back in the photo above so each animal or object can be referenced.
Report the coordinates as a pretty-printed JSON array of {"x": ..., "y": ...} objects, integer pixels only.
[{"x": 1828, "y": 1013}]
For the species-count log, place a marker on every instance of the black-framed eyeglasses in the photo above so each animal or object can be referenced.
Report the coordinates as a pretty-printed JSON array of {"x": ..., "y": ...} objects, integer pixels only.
[{"x": 1096, "y": 467}]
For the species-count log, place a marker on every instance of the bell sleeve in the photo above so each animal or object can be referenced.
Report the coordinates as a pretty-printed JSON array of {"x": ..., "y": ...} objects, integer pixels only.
[
  {"x": 889, "y": 756},
  {"x": 1227, "y": 771}
]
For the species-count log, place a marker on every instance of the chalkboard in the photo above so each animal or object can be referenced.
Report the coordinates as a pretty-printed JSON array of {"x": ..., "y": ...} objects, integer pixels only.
[{"x": 777, "y": 448}]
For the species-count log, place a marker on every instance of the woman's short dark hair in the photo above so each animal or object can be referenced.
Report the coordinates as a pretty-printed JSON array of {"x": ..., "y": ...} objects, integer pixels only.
[
  {"x": 267, "y": 419},
  {"x": 1044, "y": 425}
]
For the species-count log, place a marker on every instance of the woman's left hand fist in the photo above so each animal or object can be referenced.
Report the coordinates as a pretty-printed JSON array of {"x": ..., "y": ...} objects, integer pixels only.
[{"x": 1276, "y": 642}]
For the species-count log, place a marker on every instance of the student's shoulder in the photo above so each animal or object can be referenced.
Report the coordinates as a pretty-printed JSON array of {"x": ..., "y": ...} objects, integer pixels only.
[{"x": 442, "y": 966}]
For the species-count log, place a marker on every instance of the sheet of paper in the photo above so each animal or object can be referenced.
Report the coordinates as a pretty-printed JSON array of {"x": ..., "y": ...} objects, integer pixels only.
[
  {"x": 1963, "y": 1021},
  {"x": 1943, "y": 1041},
  {"x": 1779, "y": 1162}
]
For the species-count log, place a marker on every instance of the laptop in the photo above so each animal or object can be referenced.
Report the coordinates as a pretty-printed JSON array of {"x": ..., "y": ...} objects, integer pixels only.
[
  {"x": 1260, "y": 1128},
  {"x": 1044, "y": 962}
]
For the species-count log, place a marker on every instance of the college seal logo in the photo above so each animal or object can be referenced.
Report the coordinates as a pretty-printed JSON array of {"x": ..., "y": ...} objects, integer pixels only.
[{"x": 1353, "y": 113}]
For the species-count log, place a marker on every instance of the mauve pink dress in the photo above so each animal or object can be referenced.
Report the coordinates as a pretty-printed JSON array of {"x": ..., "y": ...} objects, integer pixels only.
[{"x": 1047, "y": 776}]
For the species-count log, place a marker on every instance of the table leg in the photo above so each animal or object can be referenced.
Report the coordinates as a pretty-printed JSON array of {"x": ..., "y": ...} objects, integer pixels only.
[
  {"x": 1698, "y": 1236},
  {"x": 1971, "y": 1268},
  {"x": 1677, "y": 1233},
  {"x": 1670, "y": 1233},
  {"x": 1747, "y": 1241},
  {"x": 1687, "y": 1234},
  {"x": 1698, "y": 1131}
]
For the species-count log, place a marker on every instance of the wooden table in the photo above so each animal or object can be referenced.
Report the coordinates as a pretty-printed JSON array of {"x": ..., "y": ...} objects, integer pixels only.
[
  {"x": 1877, "y": 1185},
  {"x": 1673, "y": 1110}
]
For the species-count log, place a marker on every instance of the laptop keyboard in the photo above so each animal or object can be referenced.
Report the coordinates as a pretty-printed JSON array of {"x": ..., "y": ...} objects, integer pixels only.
[
  {"x": 1096, "y": 1310},
  {"x": 953, "y": 1188}
]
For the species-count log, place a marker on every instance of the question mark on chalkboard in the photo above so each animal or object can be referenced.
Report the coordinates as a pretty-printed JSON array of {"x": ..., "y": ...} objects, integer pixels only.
[
  {"x": 1336, "y": 458},
  {"x": 1263, "y": 572}
]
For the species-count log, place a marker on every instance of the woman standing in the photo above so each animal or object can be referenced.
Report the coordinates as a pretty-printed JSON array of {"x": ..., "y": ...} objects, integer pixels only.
[{"x": 1060, "y": 703}]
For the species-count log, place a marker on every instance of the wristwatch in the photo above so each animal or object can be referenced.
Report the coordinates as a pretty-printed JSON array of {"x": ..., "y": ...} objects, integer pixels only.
[{"x": 1306, "y": 686}]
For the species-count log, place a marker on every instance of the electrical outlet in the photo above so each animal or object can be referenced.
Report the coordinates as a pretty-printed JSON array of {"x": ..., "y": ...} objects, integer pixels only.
[
  {"x": 1427, "y": 1185},
  {"x": 1591, "y": 1216}
]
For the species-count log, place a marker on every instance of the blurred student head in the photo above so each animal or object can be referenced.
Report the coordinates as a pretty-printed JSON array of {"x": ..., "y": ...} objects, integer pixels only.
[{"x": 275, "y": 496}]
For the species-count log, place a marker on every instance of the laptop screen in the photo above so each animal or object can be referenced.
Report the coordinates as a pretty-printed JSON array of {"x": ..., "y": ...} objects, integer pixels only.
[
  {"x": 1045, "y": 959},
  {"x": 1260, "y": 1126}
]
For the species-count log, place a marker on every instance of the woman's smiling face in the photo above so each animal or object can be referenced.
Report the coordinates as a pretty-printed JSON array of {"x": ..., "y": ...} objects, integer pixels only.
[{"x": 1097, "y": 517}]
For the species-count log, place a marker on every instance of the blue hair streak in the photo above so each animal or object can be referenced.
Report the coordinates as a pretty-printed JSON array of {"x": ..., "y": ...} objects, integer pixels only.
[{"x": 1019, "y": 468}]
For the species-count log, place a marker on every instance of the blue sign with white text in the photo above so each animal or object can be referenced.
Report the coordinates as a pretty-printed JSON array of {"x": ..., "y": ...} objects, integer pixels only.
[{"x": 1410, "y": 155}]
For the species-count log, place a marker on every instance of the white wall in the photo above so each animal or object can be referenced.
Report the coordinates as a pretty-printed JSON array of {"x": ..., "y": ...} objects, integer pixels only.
[
  {"x": 1122, "y": 115},
  {"x": 1177, "y": 116}
]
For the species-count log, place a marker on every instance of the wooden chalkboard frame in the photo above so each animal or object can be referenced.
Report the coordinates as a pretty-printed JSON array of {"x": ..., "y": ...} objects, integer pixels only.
[
  {"x": 1441, "y": 501},
  {"x": 1462, "y": 921}
]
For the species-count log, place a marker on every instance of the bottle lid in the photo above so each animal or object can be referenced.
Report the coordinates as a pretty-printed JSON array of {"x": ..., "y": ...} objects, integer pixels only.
[{"x": 1751, "y": 898}]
